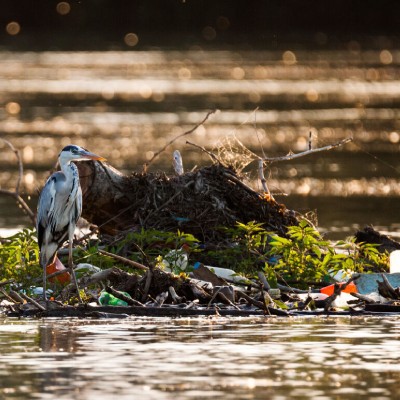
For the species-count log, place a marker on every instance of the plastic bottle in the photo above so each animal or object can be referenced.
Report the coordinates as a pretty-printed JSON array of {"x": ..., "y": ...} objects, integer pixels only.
[
  {"x": 176, "y": 260},
  {"x": 107, "y": 299},
  {"x": 395, "y": 261}
]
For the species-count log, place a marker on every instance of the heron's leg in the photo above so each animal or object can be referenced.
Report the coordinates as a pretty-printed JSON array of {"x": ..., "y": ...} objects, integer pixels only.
[
  {"x": 71, "y": 263},
  {"x": 44, "y": 286}
]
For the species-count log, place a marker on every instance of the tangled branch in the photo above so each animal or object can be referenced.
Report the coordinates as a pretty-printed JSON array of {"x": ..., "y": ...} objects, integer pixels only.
[{"x": 16, "y": 192}]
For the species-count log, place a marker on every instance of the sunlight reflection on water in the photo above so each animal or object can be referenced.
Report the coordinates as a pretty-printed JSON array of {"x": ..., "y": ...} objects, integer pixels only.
[{"x": 201, "y": 358}]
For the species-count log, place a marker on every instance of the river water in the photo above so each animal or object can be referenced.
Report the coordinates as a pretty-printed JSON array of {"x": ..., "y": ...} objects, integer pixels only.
[
  {"x": 126, "y": 105},
  {"x": 220, "y": 358}
]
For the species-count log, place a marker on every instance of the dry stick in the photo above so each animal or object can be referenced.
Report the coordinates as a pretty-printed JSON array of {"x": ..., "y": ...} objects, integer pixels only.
[
  {"x": 167, "y": 202},
  {"x": 385, "y": 289},
  {"x": 236, "y": 180},
  {"x": 336, "y": 292},
  {"x": 124, "y": 260},
  {"x": 145, "y": 166},
  {"x": 16, "y": 296},
  {"x": 177, "y": 299},
  {"x": 15, "y": 193},
  {"x": 292, "y": 156},
  {"x": 215, "y": 294},
  {"x": 226, "y": 300},
  {"x": 147, "y": 284},
  {"x": 212, "y": 155},
  {"x": 363, "y": 297},
  {"x": 35, "y": 303},
  {"x": 263, "y": 298},
  {"x": 263, "y": 280},
  {"x": 262, "y": 177},
  {"x": 9, "y": 297},
  {"x": 261, "y": 306},
  {"x": 121, "y": 296}
]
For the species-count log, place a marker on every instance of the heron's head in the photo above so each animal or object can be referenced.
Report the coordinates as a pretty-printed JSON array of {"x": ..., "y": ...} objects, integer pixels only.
[{"x": 73, "y": 153}]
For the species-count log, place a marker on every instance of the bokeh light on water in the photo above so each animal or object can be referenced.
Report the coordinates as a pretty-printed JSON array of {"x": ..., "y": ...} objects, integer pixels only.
[
  {"x": 126, "y": 105},
  {"x": 323, "y": 358}
]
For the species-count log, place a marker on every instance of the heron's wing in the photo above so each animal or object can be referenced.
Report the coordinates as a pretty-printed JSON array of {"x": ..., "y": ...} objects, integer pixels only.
[
  {"x": 45, "y": 206},
  {"x": 50, "y": 207}
]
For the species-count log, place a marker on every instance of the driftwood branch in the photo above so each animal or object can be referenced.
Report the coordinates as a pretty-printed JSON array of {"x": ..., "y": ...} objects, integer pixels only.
[
  {"x": 146, "y": 165},
  {"x": 124, "y": 260},
  {"x": 292, "y": 156},
  {"x": 15, "y": 194}
]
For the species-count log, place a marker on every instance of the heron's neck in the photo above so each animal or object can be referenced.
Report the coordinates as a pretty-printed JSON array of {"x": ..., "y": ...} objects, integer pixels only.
[{"x": 70, "y": 170}]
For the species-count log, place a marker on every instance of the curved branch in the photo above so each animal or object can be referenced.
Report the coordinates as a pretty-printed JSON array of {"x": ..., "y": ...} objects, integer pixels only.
[
  {"x": 145, "y": 166},
  {"x": 15, "y": 194}
]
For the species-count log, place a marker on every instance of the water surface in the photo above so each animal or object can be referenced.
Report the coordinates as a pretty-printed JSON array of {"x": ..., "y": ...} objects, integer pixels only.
[
  {"x": 126, "y": 105},
  {"x": 226, "y": 358}
]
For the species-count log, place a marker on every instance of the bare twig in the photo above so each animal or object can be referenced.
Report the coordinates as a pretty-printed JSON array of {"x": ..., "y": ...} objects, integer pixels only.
[
  {"x": 149, "y": 277},
  {"x": 337, "y": 290},
  {"x": 175, "y": 298},
  {"x": 9, "y": 297},
  {"x": 30, "y": 300},
  {"x": 263, "y": 280},
  {"x": 262, "y": 177},
  {"x": 146, "y": 165},
  {"x": 364, "y": 298},
  {"x": 212, "y": 155},
  {"x": 121, "y": 296},
  {"x": 124, "y": 260},
  {"x": 262, "y": 306},
  {"x": 215, "y": 294},
  {"x": 161, "y": 298},
  {"x": 15, "y": 194},
  {"x": 292, "y": 156}
]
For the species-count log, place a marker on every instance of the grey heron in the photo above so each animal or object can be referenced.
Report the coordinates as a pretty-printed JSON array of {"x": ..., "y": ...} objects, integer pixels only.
[{"x": 59, "y": 208}]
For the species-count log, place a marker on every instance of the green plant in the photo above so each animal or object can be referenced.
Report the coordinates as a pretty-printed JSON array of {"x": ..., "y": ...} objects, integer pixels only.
[
  {"x": 305, "y": 258},
  {"x": 19, "y": 257},
  {"x": 243, "y": 250},
  {"x": 302, "y": 256},
  {"x": 359, "y": 257}
]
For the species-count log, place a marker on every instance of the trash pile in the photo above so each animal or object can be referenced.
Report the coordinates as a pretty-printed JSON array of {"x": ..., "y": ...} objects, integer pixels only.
[
  {"x": 204, "y": 203},
  {"x": 205, "y": 290}
]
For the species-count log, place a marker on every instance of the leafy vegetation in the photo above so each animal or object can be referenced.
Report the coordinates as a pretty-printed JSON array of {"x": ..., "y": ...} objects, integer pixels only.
[
  {"x": 19, "y": 257},
  {"x": 302, "y": 257}
]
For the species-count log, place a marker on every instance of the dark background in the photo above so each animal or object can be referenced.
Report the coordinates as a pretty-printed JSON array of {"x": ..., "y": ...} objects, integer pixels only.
[{"x": 102, "y": 24}]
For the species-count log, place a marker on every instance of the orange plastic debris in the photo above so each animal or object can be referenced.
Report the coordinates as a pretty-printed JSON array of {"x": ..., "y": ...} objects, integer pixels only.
[
  {"x": 350, "y": 288},
  {"x": 56, "y": 266}
]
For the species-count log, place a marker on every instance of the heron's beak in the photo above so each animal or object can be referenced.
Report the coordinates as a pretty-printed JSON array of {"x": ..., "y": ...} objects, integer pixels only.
[{"x": 91, "y": 156}]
